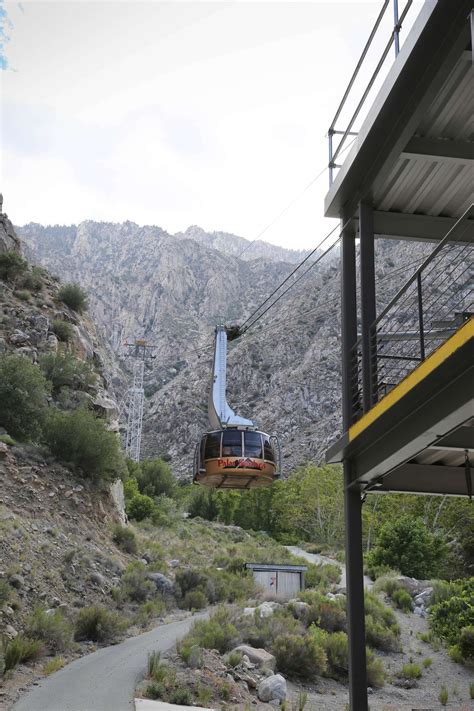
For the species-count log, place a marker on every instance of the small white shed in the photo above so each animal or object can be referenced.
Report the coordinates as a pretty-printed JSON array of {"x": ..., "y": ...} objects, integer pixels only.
[{"x": 283, "y": 581}]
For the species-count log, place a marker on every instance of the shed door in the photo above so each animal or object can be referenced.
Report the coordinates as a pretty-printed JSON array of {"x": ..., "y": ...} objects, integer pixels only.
[
  {"x": 288, "y": 584},
  {"x": 266, "y": 579}
]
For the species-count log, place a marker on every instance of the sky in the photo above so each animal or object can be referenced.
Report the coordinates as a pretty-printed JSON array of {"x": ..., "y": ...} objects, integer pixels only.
[{"x": 177, "y": 113}]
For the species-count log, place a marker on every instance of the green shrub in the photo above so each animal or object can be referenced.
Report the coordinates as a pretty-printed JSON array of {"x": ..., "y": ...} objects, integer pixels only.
[
  {"x": 471, "y": 690},
  {"x": 62, "y": 329},
  {"x": 153, "y": 664},
  {"x": 19, "y": 650},
  {"x": 402, "y": 599},
  {"x": 33, "y": 280},
  {"x": 6, "y": 439},
  {"x": 97, "y": 624},
  {"x": 125, "y": 538},
  {"x": 466, "y": 642},
  {"x": 216, "y": 633},
  {"x": 406, "y": 544},
  {"x": 427, "y": 662},
  {"x": 190, "y": 579},
  {"x": 410, "y": 671},
  {"x": 449, "y": 617},
  {"x": 66, "y": 371},
  {"x": 140, "y": 506},
  {"x": 135, "y": 584},
  {"x": 181, "y": 697},
  {"x": 234, "y": 659},
  {"x": 52, "y": 629},
  {"x": 73, "y": 296},
  {"x": 155, "y": 691},
  {"x": 381, "y": 629},
  {"x": 327, "y": 614},
  {"x": 53, "y": 665},
  {"x": 262, "y": 631},
  {"x": 375, "y": 671},
  {"x": 298, "y": 656},
  {"x": 387, "y": 583},
  {"x": 23, "y": 391},
  {"x": 443, "y": 695},
  {"x": 5, "y": 591},
  {"x": 83, "y": 440},
  {"x": 23, "y": 295},
  {"x": 322, "y": 576},
  {"x": 12, "y": 265},
  {"x": 149, "y": 610},
  {"x": 155, "y": 478},
  {"x": 455, "y": 654},
  {"x": 195, "y": 600}
]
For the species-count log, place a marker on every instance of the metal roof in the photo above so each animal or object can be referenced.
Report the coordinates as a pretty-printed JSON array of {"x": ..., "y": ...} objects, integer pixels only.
[{"x": 414, "y": 155}]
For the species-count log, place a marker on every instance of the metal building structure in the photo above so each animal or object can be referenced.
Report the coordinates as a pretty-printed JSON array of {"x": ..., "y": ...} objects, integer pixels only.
[
  {"x": 408, "y": 371},
  {"x": 140, "y": 351},
  {"x": 282, "y": 581}
]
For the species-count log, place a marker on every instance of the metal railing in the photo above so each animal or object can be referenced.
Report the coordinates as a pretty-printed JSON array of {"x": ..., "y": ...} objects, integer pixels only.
[
  {"x": 436, "y": 300},
  {"x": 334, "y": 152}
]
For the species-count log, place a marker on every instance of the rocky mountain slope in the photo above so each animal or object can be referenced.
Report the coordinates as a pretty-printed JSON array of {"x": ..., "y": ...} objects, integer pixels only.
[{"x": 172, "y": 290}]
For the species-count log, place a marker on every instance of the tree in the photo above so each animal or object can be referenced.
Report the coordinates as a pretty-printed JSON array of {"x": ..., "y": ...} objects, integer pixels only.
[
  {"x": 82, "y": 439},
  {"x": 67, "y": 371},
  {"x": 73, "y": 296},
  {"x": 140, "y": 506},
  {"x": 310, "y": 505},
  {"x": 405, "y": 544},
  {"x": 12, "y": 265},
  {"x": 23, "y": 391},
  {"x": 155, "y": 477}
]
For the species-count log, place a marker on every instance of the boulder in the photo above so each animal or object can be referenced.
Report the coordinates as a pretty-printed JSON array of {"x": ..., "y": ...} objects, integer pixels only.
[
  {"x": 10, "y": 632},
  {"x": 17, "y": 581},
  {"x": 163, "y": 584},
  {"x": 247, "y": 610},
  {"x": 97, "y": 579},
  {"x": 266, "y": 609},
  {"x": 423, "y": 599},
  {"x": 299, "y": 608},
  {"x": 273, "y": 687},
  {"x": 259, "y": 657},
  {"x": 19, "y": 338}
]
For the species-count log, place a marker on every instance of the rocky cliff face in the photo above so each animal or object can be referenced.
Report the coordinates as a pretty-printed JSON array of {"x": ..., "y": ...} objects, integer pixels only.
[{"x": 172, "y": 290}]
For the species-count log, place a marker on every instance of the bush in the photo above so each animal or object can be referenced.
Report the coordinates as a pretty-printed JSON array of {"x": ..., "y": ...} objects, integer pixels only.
[
  {"x": 83, "y": 440},
  {"x": 375, "y": 671},
  {"x": 12, "y": 265},
  {"x": 410, "y": 671},
  {"x": 6, "y": 439},
  {"x": 33, "y": 280},
  {"x": 443, "y": 695},
  {"x": 328, "y": 615},
  {"x": 195, "y": 600},
  {"x": 190, "y": 579},
  {"x": 125, "y": 538},
  {"x": 427, "y": 662},
  {"x": 97, "y": 624},
  {"x": 216, "y": 633},
  {"x": 466, "y": 642},
  {"x": 449, "y": 617},
  {"x": 23, "y": 295},
  {"x": 140, "y": 506},
  {"x": 19, "y": 650},
  {"x": 62, "y": 329},
  {"x": 181, "y": 697},
  {"x": 336, "y": 647},
  {"x": 155, "y": 478},
  {"x": 73, "y": 296},
  {"x": 52, "y": 629},
  {"x": 299, "y": 656},
  {"x": 381, "y": 629},
  {"x": 67, "y": 371},
  {"x": 402, "y": 599},
  {"x": 135, "y": 584},
  {"x": 53, "y": 665},
  {"x": 149, "y": 610},
  {"x": 322, "y": 576},
  {"x": 23, "y": 391},
  {"x": 5, "y": 591},
  {"x": 407, "y": 545},
  {"x": 387, "y": 583}
]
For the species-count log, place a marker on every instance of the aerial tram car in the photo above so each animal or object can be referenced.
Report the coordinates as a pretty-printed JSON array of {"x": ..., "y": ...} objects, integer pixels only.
[{"x": 233, "y": 454}]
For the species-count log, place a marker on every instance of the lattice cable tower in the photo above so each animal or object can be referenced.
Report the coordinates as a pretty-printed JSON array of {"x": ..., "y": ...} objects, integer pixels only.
[{"x": 140, "y": 351}]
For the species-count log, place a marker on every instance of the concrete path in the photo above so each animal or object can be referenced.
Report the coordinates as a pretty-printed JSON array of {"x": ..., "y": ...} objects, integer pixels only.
[
  {"x": 322, "y": 560},
  {"x": 104, "y": 680}
]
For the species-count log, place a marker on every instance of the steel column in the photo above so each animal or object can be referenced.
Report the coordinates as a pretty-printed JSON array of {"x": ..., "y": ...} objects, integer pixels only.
[
  {"x": 348, "y": 320},
  {"x": 355, "y": 595},
  {"x": 352, "y": 500},
  {"x": 367, "y": 298}
]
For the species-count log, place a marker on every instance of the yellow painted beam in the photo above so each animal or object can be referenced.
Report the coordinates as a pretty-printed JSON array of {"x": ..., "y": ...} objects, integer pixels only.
[{"x": 456, "y": 341}]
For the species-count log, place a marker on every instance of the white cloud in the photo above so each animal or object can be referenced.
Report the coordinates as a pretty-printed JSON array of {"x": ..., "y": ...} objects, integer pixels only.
[{"x": 175, "y": 113}]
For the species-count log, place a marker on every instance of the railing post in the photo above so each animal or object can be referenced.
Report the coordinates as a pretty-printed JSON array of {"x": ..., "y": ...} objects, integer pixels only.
[
  {"x": 330, "y": 164},
  {"x": 396, "y": 28},
  {"x": 420, "y": 316},
  {"x": 348, "y": 320}
]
